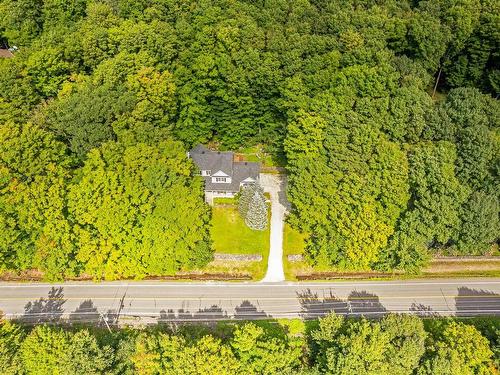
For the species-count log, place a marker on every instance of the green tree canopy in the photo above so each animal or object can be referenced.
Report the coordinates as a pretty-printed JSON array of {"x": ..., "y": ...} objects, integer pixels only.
[
  {"x": 394, "y": 344},
  {"x": 460, "y": 349},
  {"x": 139, "y": 212},
  {"x": 34, "y": 177}
]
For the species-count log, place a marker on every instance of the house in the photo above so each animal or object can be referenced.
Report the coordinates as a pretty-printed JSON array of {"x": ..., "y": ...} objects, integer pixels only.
[{"x": 224, "y": 177}]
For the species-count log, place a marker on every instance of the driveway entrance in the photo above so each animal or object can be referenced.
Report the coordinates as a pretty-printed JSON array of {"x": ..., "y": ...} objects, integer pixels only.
[{"x": 275, "y": 185}]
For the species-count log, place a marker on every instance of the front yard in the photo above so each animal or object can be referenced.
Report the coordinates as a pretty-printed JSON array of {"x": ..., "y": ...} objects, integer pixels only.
[
  {"x": 294, "y": 243},
  {"x": 230, "y": 235}
]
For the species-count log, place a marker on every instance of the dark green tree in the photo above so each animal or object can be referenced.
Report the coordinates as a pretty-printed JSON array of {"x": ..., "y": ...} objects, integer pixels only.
[
  {"x": 34, "y": 170},
  {"x": 260, "y": 353},
  {"x": 21, "y": 20},
  {"x": 480, "y": 225},
  {"x": 83, "y": 119},
  {"x": 394, "y": 344},
  {"x": 84, "y": 356}
]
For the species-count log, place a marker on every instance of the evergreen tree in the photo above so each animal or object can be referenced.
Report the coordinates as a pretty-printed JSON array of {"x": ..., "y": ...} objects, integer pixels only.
[
  {"x": 246, "y": 196},
  {"x": 256, "y": 217}
]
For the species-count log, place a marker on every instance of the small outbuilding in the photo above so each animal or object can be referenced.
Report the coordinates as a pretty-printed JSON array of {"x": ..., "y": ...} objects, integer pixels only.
[{"x": 5, "y": 54}]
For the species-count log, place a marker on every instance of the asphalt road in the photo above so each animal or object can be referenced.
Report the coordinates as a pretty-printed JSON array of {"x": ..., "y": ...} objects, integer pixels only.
[{"x": 151, "y": 302}]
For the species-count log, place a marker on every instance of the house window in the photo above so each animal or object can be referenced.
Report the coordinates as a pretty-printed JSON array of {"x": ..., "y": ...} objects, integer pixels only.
[
  {"x": 206, "y": 173},
  {"x": 220, "y": 179}
]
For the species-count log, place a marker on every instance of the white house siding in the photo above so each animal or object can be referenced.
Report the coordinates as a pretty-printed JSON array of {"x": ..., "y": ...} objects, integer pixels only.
[{"x": 210, "y": 195}]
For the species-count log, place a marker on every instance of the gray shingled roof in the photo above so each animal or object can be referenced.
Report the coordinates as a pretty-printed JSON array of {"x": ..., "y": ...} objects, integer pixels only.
[
  {"x": 213, "y": 161},
  {"x": 242, "y": 170},
  {"x": 216, "y": 161}
]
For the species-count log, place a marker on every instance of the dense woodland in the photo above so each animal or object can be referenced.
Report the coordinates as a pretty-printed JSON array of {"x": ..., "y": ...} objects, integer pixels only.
[
  {"x": 399, "y": 345},
  {"x": 103, "y": 98}
]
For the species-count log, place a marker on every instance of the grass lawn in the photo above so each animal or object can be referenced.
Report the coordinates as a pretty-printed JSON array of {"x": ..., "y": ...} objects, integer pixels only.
[
  {"x": 256, "y": 270},
  {"x": 258, "y": 154},
  {"x": 230, "y": 235},
  {"x": 221, "y": 200},
  {"x": 294, "y": 243}
]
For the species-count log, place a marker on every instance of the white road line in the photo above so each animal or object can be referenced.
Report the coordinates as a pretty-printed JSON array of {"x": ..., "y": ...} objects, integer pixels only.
[{"x": 269, "y": 315}]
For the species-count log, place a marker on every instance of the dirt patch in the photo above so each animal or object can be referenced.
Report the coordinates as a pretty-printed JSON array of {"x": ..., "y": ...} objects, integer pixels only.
[
  {"x": 462, "y": 265},
  {"x": 343, "y": 275},
  {"x": 202, "y": 276},
  {"x": 440, "y": 267},
  {"x": 35, "y": 275}
]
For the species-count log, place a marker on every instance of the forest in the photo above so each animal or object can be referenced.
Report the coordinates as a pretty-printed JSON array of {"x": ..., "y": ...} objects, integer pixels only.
[
  {"x": 396, "y": 344},
  {"x": 386, "y": 112}
]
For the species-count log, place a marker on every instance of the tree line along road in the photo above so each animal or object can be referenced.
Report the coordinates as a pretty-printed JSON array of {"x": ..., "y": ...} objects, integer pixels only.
[{"x": 150, "y": 302}]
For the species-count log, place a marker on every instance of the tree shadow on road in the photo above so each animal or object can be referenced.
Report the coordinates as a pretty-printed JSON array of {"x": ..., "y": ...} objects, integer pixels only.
[
  {"x": 282, "y": 197},
  {"x": 45, "y": 310},
  {"x": 85, "y": 313},
  {"x": 365, "y": 304},
  {"x": 471, "y": 302},
  {"x": 214, "y": 313},
  {"x": 358, "y": 303},
  {"x": 247, "y": 310},
  {"x": 315, "y": 307},
  {"x": 211, "y": 313},
  {"x": 207, "y": 314},
  {"x": 422, "y": 310}
]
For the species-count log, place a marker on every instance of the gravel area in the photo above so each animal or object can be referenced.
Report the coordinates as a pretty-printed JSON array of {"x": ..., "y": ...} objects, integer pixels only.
[{"x": 275, "y": 185}]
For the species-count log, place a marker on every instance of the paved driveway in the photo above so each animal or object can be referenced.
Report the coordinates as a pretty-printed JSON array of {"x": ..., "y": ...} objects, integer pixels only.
[{"x": 275, "y": 185}]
